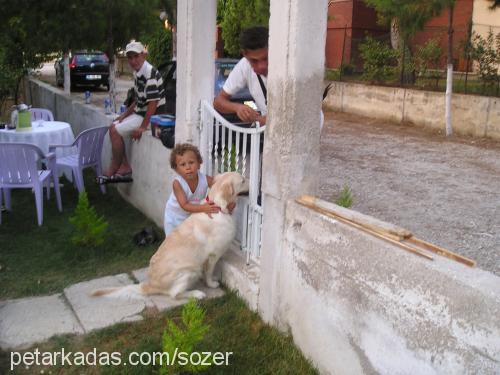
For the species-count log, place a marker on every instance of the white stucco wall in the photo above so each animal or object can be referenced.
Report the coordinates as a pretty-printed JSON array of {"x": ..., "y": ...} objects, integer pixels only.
[
  {"x": 358, "y": 305},
  {"x": 473, "y": 115}
]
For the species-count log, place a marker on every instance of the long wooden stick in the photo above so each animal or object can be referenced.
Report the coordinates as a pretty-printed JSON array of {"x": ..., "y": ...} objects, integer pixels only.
[
  {"x": 385, "y": 237},
  {"x": 392, "y": 231},
  {"x": 398, "y": 236},
  {"x": 440, "y": 251}
]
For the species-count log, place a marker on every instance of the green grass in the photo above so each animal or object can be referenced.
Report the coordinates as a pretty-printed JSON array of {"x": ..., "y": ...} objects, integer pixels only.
[
  {"x": 256, "y": 347},
  {"x": 42, "y": 260},
  {"x": 345, "y": 198}
]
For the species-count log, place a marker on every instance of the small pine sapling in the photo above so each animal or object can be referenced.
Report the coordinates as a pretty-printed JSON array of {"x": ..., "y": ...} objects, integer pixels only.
[
  {"x": 90, "y": 229},
  {"x": 345, "y": 199},
  {"x": 184, "y": 340}
]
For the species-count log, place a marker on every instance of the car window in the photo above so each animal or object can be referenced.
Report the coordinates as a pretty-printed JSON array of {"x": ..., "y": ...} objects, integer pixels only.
[
  {"x": 85, "y": 59},
  {"x": 224, "y": 69}
]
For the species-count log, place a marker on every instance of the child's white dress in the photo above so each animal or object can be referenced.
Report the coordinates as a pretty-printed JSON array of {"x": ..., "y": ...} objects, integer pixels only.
[{"x": 174, "y": 213}]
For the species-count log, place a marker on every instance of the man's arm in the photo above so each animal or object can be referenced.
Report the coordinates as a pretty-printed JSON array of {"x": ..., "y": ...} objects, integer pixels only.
[
  {"x": 127, "y": 113},
  {"x": 150, "y": 110},
  {"x": 223, "y": 104}
]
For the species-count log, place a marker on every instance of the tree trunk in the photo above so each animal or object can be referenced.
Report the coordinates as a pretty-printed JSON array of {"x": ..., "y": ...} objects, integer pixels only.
[
  {"x": 449, "y": 73},
  {"x": 67, "y": 79},
  {"x": 395, "y": 35},
  {"x": 174, "y": 35},
  {"x": 111, "y": 55}
]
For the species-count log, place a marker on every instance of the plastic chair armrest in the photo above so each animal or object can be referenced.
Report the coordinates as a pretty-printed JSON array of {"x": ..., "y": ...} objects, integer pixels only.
[
  {"x": 53, "y": 147},
  {"x": 50, "y": 155}
]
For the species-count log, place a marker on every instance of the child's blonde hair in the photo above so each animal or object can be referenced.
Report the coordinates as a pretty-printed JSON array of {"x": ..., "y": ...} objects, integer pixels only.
[{"x": 182, "y": 148}]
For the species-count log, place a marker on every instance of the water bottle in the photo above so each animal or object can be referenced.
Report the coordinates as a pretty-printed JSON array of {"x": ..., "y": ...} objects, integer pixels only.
[
  {"x": 87, "y": 97},
  {"x": 107, "y": 106}
]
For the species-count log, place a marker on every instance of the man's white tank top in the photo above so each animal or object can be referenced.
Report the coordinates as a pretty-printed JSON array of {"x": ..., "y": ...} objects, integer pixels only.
[{"x": 173, "y": 210}]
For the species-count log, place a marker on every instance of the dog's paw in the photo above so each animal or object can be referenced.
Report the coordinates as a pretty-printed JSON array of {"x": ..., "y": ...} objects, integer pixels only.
[
  {"x": 212, "y": 284},
  {"x": 197, "y": 294}
]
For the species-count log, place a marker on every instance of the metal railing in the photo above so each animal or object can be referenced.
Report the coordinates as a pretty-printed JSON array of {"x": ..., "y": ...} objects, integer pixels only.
[{"x": 227, "y": 147}]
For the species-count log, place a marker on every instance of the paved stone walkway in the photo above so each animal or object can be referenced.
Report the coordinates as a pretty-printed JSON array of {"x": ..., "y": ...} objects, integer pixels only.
[{"x": 26, "y": 321}]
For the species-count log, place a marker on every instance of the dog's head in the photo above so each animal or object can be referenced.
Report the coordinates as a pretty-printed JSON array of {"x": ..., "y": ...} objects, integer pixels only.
[{"x": 226, "y": 188}]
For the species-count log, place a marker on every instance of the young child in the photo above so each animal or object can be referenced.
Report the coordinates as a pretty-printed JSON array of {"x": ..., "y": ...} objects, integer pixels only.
[{"x": 190, "y": 187}]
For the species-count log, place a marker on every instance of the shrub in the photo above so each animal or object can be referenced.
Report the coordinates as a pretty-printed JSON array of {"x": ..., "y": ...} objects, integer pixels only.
[
  {"x": 345, "y": 199},
  {"x": 378, "y": 60},
  {"x": 427, "y": 56},
  {"x": 90, "y": 229},
  {"x": 177, "y": 339},
  {"x": 159, "y": 46},
  {"x": 487, "y": 55}
]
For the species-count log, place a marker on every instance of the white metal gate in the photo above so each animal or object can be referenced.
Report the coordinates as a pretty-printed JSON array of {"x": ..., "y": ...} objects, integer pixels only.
[{"x": 227, "y": 147}]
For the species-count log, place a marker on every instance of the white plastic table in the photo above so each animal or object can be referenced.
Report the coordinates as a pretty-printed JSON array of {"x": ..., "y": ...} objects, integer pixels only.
[{"x": 43, "y": 134}]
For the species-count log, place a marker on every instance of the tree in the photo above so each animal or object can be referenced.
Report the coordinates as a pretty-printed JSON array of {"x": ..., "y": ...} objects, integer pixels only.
[
  {"x": 407, "y": 17},
  {"x": 449, "y": 68},
  {"x": 410, "y": 16},
  {"x": 40, "y": 28},
  {"x": 22, "y": 44},
  {"x": 237, "y": 15}
]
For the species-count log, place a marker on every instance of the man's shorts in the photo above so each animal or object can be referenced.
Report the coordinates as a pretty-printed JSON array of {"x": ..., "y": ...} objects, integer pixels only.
[{"x": 128, "y": 124}]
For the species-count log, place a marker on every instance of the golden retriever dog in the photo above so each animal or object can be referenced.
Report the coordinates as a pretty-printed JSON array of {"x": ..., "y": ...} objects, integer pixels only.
[{"x": 192, "y": 249}]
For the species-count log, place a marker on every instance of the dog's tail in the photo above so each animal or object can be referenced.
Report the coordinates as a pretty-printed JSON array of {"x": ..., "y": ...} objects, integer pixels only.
[{"x": 128, "y": 291}]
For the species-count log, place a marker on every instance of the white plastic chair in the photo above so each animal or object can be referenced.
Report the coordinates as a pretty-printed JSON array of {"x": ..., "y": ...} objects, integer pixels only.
[
  {"x": 89, "y": 148},
  {"x": 41, "y": 114},
  {"x": 19, "y": 168}
]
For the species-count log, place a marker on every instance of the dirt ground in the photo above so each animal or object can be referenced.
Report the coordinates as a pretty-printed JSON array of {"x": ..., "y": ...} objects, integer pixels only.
[{"x": 444, "y": 190}]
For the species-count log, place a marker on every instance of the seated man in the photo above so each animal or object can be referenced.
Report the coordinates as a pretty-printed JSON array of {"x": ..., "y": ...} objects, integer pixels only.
[
  {"x": 150, "y": 99},
  {"x": 251, "y": 72}
]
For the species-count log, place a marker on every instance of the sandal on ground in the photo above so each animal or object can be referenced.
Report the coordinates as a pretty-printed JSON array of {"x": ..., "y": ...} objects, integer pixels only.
[{"x": 116, "y": 178}]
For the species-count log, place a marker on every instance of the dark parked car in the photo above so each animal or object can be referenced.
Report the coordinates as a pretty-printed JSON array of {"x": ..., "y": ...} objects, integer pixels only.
[
  {"x": 222, "y": 69},
  {"x": 86, "y": 68}
]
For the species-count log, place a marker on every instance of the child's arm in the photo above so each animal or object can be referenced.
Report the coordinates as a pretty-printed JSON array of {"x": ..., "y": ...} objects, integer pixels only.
[
  {"x": 209, "y": 208},
  {"x": 210, "y": 181}
]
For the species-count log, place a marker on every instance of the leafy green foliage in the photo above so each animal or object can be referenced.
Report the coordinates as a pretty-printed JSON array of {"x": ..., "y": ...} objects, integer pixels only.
[
  {"x": 90, "y": 229},
  {"x": 33, "y": 30},
  {"x": 159, "y": 44},
  {"x": 486, "y": 52},
  {"x": 345, "y": 199},
  {"x": 411, "y": 15},
  {"x": 378, "y": 60},
  {"x": 177, "y": 339},
  {"x": 229, "y": 160},
  {"x": 427, "y": 57},
  {"x": 237, "y": 15}
]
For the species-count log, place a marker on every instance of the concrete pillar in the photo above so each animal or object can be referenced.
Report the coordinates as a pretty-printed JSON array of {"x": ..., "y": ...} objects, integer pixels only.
[
  {"x": 196, "y": 28},
  {"x": 291, "y": 151}
]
